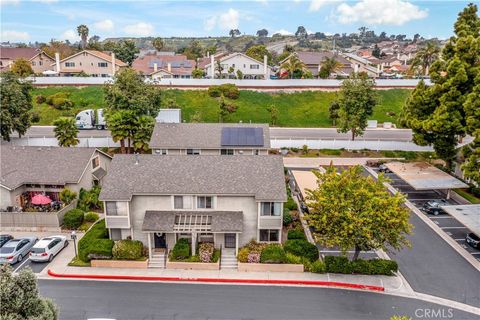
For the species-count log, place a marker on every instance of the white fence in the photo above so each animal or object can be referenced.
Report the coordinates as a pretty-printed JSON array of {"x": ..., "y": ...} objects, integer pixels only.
[{"x": 97, "y": 142}]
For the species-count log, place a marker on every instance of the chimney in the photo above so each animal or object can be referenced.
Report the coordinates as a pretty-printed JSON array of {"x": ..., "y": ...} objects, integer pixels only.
[
  {"x": 155, "y": 67},
  {"x": 405, "y": 63},
  {"x": 212, "y": 66},
  {"x": 169, "y": 67},
  {"x": 265, "y": 66},
  {"x": 355, "y": 68},
  {"x": 57, "y": 62},
  {"x": 409, "y": 55},
  {"x": 398, "y": 56},
  {"x": 208, "y": 54},
  {"x": 113, "y": 64}
]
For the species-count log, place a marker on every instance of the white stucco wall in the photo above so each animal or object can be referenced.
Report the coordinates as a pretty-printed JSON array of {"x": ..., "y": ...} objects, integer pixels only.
[
  {"x": 5, "y": 199},
  {"x": 242, "y": 63}
]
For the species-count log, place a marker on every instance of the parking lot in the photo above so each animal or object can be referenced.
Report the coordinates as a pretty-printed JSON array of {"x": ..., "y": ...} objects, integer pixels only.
[{"x": 447, "y": 223}]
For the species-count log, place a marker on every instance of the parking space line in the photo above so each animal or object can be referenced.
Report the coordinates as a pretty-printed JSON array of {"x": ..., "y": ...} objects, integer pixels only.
[
  {"x": 21, "y": 264},
  {"x": 459, "y": 239},
  {"x": 474, "y": 253},
  {"x": 452, "y": 227},
  {"x": 444, "y": 217}
]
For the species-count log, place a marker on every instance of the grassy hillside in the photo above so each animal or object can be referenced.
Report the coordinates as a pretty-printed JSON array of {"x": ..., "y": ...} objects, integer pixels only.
[{"x": 302, "y": 109}]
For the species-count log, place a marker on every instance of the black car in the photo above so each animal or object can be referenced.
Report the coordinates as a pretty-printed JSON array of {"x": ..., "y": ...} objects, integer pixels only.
[
  {"x": 473, "y": 240},
  {"x": 4, "y": 238},
  {"x": 434, "y": 207},
  {"x": 383, "y": 168},
  {"x": 303, "y": 207}
]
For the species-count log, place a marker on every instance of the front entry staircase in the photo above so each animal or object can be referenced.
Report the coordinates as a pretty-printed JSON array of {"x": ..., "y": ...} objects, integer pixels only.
[
  {"x": 228, "y": 260},
  {"x": 158, "y": 259}
]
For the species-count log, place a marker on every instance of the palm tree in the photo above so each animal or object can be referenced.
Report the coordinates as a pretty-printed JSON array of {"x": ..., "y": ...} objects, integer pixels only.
[
  {"x": 426, "y": 56},
  {"x": 293, "y": 64},
  {"x": 328, "y": 66},
  {"x": 122, "y": 126},
  {"x": 66, "y": 132},
  {"x": 83, "y": 33},
  {"x": 143, "y": 133}
]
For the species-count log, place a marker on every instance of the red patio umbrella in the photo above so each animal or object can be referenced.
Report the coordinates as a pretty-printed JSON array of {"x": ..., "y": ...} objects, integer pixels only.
[{"x": 41, "y": 199}]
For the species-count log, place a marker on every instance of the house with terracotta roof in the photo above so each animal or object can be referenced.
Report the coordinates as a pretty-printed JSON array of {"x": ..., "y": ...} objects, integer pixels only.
[
  {"x": 38, "y": 58},
  {"x": 313, "y": 62},
  {"x": 92, "y": 62},
  {"x": 158, "y": 65}
]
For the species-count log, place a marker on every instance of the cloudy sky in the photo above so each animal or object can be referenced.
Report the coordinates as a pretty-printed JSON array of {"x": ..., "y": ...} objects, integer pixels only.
[{"x": 42, "y": 20}]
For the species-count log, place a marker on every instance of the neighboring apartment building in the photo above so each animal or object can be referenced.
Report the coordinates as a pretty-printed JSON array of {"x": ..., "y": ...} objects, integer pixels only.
[
  {"x": 210, "y": 139},
  {"x": 158, "y": 65},
  {"x": 39, "y": 59},
  {"x": 92, "y": 62},
  {"x": 224, "y": 200},
  {"x": 250, "y": 68},
  {"x": 28, "y": 171},
  {"x": 313, "y": 62}
]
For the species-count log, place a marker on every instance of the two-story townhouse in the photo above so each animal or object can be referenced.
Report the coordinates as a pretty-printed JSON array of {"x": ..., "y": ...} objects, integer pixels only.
[
  {"x": 157, "y": 65},
  {"x": 249, "y": 67},
  {"x": 313, "y": 62},
  {"x": 223, "y": 200},
  {"x": 28, "y": 171},
  {"x": 39, "y": 60},
  {"x": 210, "y": 139},
  {"x": 92, "y": 62}
]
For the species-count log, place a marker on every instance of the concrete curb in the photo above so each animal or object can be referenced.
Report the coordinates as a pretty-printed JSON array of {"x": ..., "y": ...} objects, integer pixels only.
[{"x": 334, "y": 284}]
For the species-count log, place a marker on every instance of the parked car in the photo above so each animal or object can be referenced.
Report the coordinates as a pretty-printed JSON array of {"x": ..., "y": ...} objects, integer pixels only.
[
  {"x": 434, "y": 207},
  {"x": 383, "y": 168},
  {"x": 47, "y": 248},
  {"x": 303, "y": 207},
  {"x": 473, "y": 240},
  {"x": 4, "y": 238},
  {"x": 15, "y": 250}
]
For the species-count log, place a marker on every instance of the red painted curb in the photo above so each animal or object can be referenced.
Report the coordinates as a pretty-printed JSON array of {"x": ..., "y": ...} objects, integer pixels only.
[{"x": 217, "y": 280}]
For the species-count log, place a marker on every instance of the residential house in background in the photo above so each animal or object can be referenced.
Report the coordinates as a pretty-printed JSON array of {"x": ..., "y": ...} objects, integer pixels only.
[
  {"x": 92, "y": 62},
  {"x": 249, "y": 67},
  {"x": 158, "y": 65},
  {"x": 360, "y": 64},
  {"x": 210, "y": 139},
  {"x": 39, "y": 60},
  {"x": 313, "y": 62},
  {"x": 224, "y": 200},
  {"x": 28, "y": 171}
]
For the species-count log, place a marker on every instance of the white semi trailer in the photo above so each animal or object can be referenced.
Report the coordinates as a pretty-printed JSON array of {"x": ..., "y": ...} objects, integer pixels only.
[{"x": 91, "y": 119}]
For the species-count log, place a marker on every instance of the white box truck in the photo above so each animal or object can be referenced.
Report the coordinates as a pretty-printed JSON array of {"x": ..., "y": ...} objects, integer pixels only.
[{"x": 91, "y": 119}]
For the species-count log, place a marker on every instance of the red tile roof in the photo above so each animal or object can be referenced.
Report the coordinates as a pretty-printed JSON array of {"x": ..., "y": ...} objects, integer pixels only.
[
  {"x": 315, "y": 58},
  {"x": 180, "y": 65},
  {"x": 17, "y": 53}
]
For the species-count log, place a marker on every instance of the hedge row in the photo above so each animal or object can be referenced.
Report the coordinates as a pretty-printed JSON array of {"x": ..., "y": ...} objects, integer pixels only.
[
  {"x": 336, "y": 264},
  {"x": 127, "y": 250},
  {"x": 181, "y": 250},
  {"x": 73, "y": 219},
  {"x": 228, "y": 90},
  {"x": 95, "y": 243},
  {"x": 302, "y": 248}
]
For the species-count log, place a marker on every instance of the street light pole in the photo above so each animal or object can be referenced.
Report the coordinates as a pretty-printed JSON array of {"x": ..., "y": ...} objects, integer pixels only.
[{"x": 74, "y": 238}]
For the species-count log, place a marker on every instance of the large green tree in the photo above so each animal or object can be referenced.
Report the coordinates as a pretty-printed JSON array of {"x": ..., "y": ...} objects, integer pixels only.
[
  {"x": 20, "y": 298},
  {"x": 438, "y": 114},
  {"x": 293, "y": 66},
  {"x": 16, "y": 105},
  {"x": 158, "y": 43},
  {"x": 356, "y": 101},
  {"x": 143, "y": 132},
  {"x": 22, "y": 67},
  {"x": 124, "y": 50},
  {"x": 328, "y": 66},
  {"x": 82, "y": 31},
  {"x": 425, "y": 57},
  {"x": 66, "y": 132},
  {"x": 471, "y": 167},
  {"x": 258, "y": 52},
  {"x": 349, "y": 210}
]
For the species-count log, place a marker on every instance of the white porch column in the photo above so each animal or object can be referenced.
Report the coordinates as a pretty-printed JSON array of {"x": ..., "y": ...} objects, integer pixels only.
[
  {"x": 236, "y": 243},
  {"x": 113, "y": 64},
  {"x": 57, "y": 62},
  {"x": 212, "y": 66},
  {"x": 149, "y": 238},
  {"x": 194, "y": 243},
  {"x": 265, "y": 66}
]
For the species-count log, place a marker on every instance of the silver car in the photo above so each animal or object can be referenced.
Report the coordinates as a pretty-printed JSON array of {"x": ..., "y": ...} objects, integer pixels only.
[
  {"x": 47, "y": 248},
  {"x": 15, "y": 250}
]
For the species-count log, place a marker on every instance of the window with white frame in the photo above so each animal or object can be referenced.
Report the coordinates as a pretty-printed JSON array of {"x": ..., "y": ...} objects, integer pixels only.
[
  {"x": 270, "y": 208},
  {"x": 204, "y": 202},
  {"x": 102, "y": 64},
  {"x": 33, "y": 63},
  {"x": 227, "y": 152},
  {"x": 269, "y": 235},
  {"x": 254, "y": 66},
  {"x": 182, "y": 202},
  {"x": 161, "y": 151},
  {"x": 193, "y": 151},
  {"x": 95, "y": 162},
  {"x": 69, "y": 64}
]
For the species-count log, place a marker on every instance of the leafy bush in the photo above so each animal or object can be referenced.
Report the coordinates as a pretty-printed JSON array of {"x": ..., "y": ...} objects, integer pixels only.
[
  {"x": 73, "y": 219},
  {"x": 35, "y": 117},
  {"x": 62, "y": 104},
  {"x": 254, "y": 257},
  {"x": 90, "y": 217},
  {"x": 127, "y": 250},
  {"x": 67, "y": 195},
  {"x": 88, "y": 200},
  {"x": 242, "y": 255},
  {"x": 296, "y": 234},
  {"x": 372, "y": 267},
  {"x": 40, "y": 99},
  {"x": 205, "y": 252},
  {"x": 58, "y": 95},
  {"x": 293, "y": 259},
  {"x": 290, "y": 204},
  {"x": 95, "y": 243},
  {"x": 302, "y": 248},
  {"x": 181, "y": 250},
  {"x": 250, "y": 253},
  {"x": 317, "y": 267},
  {"x": 214, "y": 91},
  {"x": 228, "y": 90},
  {"x": 273, "y": 253},
  {"x": 287, "y": 217}
]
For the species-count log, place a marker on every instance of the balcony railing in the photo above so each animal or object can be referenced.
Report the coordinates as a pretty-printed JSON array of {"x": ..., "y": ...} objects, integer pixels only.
[
  {"x": 120, "y": 222},
  {"x": 270, "y": 222}
]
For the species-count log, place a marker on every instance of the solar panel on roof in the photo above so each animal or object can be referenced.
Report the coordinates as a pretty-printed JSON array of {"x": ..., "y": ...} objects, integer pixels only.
[{"x": 232, "y": 136}]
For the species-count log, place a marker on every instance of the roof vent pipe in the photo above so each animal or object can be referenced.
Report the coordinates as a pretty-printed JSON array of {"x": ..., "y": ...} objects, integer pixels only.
[{"x": 136, "y": 158}]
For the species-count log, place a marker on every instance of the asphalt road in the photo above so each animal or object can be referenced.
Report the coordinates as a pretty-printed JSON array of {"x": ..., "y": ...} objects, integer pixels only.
[
  {"x": 275, "y": 133},
  {"x": 121, "y": 300}
]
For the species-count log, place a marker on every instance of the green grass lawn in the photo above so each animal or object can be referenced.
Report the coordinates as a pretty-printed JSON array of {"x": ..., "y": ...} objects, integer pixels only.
[{"x": 301, "y": 109}]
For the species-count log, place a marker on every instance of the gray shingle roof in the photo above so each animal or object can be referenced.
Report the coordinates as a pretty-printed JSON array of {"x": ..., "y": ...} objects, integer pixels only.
[
  {"x": 259, "y": 176},
  {"x": 197, "y": 135},
  {"x": 35, "y": 165},
  {"x": 222, "y": 221}
]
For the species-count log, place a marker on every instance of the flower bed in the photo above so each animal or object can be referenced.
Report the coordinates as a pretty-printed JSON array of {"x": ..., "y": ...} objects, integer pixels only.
[{"x": 208, "y": 258}]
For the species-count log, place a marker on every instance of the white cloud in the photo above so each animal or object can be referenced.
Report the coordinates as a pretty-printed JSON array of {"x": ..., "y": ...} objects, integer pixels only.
[
  {"x": 7, "y": 2},
  {"x": 224, "y": 21},
  {"x": 141, "y": 29},
  {"x": 283, "y": 32},
  {"x": 70, "y": 35},
  {"x": 315, "y": 5},
  {"x": 14, "y": 36},
  {"x": 380, "y": 12},
  {"x": 104, "y": 25}
]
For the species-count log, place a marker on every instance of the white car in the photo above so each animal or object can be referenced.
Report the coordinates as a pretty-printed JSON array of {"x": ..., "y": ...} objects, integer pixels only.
[{"x": 47, "y": 248}]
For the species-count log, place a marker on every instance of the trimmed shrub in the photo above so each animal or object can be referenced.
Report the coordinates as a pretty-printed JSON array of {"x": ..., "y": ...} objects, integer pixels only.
[
  {"x": 336, "y": 264},
  {"x": 290, "y": 204},
  {"x": 73, "y": 219},
  {"x": 58, "y": 95},
  {"x": 254, "y": 257},
  {"x": 95, "y": 243},
  {"x": 293, "y": 259},
  {"x": 35, "y": 117},
  {"x": 287, "y": 217},
  {"x": 214, "y": 91},
  {"x": 205, "y": 251},
  {"x": 243, "y": 254},
  {"x": 230, "y": 90},
  {"x": 40, "y": 99},
  {"x": 67, "y": 195},
  {"x": 90, "y": 217},
  {"x": 127, "y": 250},
  {"x": 181, "y": 250},
  {"x": 273, "y": 253},
  {"x": 296, "y": 234},
  {"x": 372, "y": 267},
  {"x": 302, "y": 248},
  {"x": 317, "y": 267}
]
